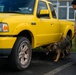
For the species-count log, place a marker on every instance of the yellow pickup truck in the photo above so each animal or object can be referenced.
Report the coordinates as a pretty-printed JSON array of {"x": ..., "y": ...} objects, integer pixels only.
[{"x": 27, "y": 24}]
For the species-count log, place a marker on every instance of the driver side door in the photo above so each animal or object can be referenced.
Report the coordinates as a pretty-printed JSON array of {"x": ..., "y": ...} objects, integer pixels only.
[{"x": 44, "y": 30}]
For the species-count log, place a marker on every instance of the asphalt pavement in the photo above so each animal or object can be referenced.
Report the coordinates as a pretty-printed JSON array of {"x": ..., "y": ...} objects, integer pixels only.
[{"x": 43, "y": 64}]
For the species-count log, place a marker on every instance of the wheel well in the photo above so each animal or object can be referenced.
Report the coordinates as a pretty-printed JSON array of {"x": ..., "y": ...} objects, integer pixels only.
[
  {"x": 69, "y": 33},
  {"x": 26, "y": 34}
]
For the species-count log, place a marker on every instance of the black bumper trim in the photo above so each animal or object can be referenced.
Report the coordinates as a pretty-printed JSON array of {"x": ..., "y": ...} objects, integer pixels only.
[{"x": 5, "y": 52}]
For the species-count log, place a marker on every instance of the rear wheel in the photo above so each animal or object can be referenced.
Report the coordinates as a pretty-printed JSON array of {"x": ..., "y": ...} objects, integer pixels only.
[
  {"x": 68, "y": 38},
  {"x": 20, "y": 57},
  {"x": 70, "y": 43}
]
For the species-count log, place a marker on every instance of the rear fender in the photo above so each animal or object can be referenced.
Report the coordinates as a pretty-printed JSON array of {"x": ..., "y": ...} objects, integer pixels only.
[{"x": 67, "y": 29}]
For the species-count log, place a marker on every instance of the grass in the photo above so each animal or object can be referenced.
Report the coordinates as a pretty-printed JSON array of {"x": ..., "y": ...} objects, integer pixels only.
[{"x": 73, "y": 45}]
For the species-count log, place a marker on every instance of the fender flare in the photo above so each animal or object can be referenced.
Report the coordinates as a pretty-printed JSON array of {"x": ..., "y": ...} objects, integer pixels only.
[
  {"x": 67, "y": 29},
  {"x": 21, "y": 27}
]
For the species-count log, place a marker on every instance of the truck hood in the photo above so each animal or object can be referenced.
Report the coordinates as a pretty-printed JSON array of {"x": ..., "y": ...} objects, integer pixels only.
[{"x": 7, "y": 15}]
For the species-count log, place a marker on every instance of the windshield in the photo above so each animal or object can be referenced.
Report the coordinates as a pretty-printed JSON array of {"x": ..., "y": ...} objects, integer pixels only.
[{"x": 17, "y": 6}]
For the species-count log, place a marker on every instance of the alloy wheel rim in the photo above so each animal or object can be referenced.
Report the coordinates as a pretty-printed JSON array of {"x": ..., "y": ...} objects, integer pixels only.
[{"x": 23, "y": 53}]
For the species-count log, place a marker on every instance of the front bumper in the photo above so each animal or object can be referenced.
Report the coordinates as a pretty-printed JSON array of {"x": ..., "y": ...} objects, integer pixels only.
[{"x": 6, "y": 45}]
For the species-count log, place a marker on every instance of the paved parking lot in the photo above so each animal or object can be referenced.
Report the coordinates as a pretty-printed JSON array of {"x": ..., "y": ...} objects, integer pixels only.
[{"x": 43, "y": 65}]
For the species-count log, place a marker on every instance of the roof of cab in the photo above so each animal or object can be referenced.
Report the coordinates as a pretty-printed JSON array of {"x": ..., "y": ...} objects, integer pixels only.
[{"x": 46, "y": 1}]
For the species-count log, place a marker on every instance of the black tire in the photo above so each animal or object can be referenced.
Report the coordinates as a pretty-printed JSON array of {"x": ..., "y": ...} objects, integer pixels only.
[
  {"x": 20, "y": 57},
  {"x": 68, "y": 38},
  {"x": 70, "y": 43}
]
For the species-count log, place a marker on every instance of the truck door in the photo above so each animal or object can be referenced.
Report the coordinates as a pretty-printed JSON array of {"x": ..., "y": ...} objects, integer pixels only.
[
  {"x": 45, "y": 32},
  {"x": 43, "y": 25},
  {"x": 55, "y": 25}
]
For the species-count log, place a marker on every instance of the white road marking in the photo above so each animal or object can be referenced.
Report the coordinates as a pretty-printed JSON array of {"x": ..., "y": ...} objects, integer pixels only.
[{"x": 59, "y": 68}]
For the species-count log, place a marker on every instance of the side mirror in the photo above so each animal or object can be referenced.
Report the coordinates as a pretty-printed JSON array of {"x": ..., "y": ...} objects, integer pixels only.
[{"x": 43, "y": 13}]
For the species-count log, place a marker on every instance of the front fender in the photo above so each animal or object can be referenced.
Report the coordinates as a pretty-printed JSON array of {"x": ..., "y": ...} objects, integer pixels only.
[{"x": 22, "y": 27}]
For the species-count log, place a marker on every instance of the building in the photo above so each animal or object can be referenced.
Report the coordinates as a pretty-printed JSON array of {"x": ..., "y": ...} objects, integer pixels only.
[{"x": 64, "y": 9}]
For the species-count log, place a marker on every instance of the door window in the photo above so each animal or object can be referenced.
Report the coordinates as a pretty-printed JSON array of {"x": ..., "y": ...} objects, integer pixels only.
[
  {"x": 52, "y": 11},
  {"x": 42, "y": 5}
]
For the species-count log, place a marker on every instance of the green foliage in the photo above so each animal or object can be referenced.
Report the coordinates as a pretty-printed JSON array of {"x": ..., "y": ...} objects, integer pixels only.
[{"x": 73, "y": 45}]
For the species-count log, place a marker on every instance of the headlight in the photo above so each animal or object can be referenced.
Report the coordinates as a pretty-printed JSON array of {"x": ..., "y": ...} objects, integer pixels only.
[{"x": 4, "y": 27}]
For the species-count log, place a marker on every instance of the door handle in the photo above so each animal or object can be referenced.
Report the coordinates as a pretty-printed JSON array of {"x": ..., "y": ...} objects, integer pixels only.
[{"x": 52, "y": 23}]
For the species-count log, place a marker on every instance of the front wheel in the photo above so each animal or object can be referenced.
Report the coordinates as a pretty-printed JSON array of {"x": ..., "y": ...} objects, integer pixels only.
[{"x": 20, "y": 57}]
